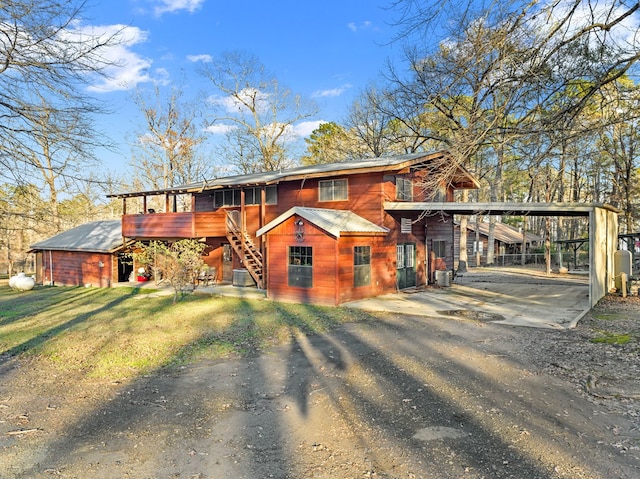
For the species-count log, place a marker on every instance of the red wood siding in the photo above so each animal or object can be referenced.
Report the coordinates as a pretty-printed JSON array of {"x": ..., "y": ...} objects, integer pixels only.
[
  {"x": 364, "y": 196},
  {"x": 324, "y": 265},
  {"x": 77, "y": 269},
  {"x": 158, "y": 225},
  {"x": 333, "y": 271},
  {"x": 382, "y": 268},
  {"x": 210, "y": 224},
  {"x": 175, "y": 225}
]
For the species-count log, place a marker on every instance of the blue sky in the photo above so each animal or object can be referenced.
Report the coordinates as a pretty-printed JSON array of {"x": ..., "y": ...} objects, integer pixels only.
[{"x": 328, "y": 51}]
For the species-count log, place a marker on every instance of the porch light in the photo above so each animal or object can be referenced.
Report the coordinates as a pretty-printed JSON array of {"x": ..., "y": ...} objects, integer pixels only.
[{"x": 299, "y": 233}]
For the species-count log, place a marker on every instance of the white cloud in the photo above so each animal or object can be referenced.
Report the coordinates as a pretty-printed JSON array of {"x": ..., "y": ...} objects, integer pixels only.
[
  {"x": 220, "y": 129},
  {"x": 232, "y": 104},
  {"x": 204, "y": 58},
  {"x": 292, "y": 132},
  {"x": 333, "y": 92},
  {"x": 356, "y": 27},
  {"x": 305, "y": 128},
  {"x": 172, "y": 6},
  {"x": 125, "y": 69}
]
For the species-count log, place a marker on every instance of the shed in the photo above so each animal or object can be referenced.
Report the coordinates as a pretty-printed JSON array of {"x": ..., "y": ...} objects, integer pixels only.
[
  {"x": 507, "y": 241},
  {"x": 326, "y": 256},
  {"x": 90, "y": 254}
]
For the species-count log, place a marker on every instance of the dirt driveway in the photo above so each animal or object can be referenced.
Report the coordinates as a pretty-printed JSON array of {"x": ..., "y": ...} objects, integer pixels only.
[{"x": 402, "y": 396}]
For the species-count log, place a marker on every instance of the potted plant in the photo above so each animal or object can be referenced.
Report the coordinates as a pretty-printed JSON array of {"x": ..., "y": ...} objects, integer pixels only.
[{"x": 142, "y": 274}]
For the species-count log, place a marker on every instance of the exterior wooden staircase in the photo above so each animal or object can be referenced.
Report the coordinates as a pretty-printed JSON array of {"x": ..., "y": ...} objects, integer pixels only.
[{"x": 245, "y": 248}]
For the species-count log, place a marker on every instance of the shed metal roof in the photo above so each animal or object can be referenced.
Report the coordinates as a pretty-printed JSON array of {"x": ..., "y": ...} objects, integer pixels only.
[
  {"x": 504, "y": 233},
  {"x": 96, "y": 237},
  {"x": 334, "y": 222}
]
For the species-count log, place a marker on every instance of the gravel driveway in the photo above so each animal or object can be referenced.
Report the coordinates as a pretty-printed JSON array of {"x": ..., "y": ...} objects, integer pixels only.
[{"x": 401, "y": 396}]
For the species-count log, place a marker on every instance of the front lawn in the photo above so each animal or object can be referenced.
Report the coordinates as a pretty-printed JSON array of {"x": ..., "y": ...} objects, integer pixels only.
[{"x": 121, "y": 332}]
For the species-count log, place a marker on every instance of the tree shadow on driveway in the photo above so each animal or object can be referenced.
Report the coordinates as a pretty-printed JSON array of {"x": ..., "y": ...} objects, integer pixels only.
[{"x": 399, "y": 396}]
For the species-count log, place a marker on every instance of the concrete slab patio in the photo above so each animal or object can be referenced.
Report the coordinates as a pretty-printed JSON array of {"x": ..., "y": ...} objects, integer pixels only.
[{"x": 517, "y": 297}]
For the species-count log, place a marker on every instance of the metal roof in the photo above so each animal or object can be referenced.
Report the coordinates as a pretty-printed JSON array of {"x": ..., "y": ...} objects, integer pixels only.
[
  {"x": 334, "y": 222},
  {"x": 271, "y": 177},
  {"x": 96, "y": 237},
  {"x": 508, "y": 209},
  {"x": 504, "y": 233}
]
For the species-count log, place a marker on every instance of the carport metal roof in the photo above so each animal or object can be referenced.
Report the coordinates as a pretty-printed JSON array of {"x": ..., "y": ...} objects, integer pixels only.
[
  {"x": 515, "y": 209},
  {"x": 603, "y": 229}
]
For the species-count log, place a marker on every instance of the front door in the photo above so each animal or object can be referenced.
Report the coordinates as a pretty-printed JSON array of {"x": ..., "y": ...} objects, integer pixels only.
[
  {"x": 227, "y": 262},
  {"x": 406, "y": 265}
]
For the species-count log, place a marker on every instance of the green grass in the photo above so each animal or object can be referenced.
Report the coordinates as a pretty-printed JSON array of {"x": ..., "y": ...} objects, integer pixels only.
[
  {"x": 609, "y": 316},
  {"x": 116, "y": 333},
  {"x": 611, "y": 338}
]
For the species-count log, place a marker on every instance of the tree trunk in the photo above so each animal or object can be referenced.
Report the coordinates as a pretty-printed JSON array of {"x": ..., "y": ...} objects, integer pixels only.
[{"x": 463, "y": 259}]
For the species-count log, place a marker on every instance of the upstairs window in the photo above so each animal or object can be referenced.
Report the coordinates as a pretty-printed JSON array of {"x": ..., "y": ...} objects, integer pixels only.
[
  {"x": 226, "y": 198},
  {"x": 333, "y": 190},
  {"x": 252, "y": 196},
  {"x": 271, "y": 195},
  {"x": 404, "y": 189}
]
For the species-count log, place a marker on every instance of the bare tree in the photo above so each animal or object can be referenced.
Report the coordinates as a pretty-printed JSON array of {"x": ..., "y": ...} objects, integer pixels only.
[
  {"x": 166, "y": 152},
  {"x": 258, "y": 114},
  {"x": 46, "y": 61},
  {"x": 619, "y": 141},
  {"x": 505, "y": 71}
]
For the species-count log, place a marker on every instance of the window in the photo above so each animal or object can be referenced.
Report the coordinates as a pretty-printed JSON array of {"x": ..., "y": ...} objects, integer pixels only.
[
  {"x": 439, "y": 248},
  {"x": 361, "y": 266},
  {"x": 226, "y": 198},
  {"x": 333, "y": 190},
  {"x": 409, "y": 255},
  {"x": 404, "y": 189},
  {"x": 478, "y": 247},
  {"x": 440, "y": 194},
  {"x": 300, "y": 266},
  {"x": 271, "y": 194},
  {"x": 252, "y": 196},
  {"x": 400, "y": 256}
]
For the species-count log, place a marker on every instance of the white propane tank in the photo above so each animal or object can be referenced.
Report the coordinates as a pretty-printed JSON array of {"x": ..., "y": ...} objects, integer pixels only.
[{"x": 22, "y": 282}]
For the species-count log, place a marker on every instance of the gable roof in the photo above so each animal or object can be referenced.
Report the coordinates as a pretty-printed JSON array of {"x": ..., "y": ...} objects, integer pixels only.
[
  {"x": 462, "y": 178},
  {"x": 96, "y": 237},
  {"x": 334, "y": 222}
]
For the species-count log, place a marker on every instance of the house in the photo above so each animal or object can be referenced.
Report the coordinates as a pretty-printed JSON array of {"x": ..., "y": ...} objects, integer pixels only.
[
  {"x": 507, "y": 242},
  {"x": 90, "y": 254},
  {"x": 323, "y": 234}
]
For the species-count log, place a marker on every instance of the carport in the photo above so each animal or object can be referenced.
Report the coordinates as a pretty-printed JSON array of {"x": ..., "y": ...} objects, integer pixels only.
[{"x": 603, "y": 229}]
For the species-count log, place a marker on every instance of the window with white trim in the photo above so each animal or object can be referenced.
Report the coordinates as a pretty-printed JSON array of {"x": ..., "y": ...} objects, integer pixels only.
[
  {"x": 404, "y": 189},
  {"x": 333, "y": 190}
]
